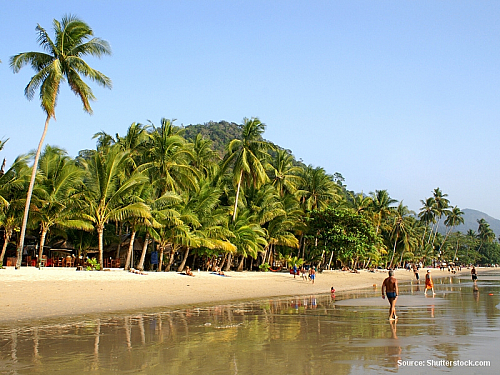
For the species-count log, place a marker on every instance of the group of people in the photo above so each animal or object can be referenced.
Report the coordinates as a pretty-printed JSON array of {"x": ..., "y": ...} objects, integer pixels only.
[
  {"x": 305, "y": 274},
  {"x": 391, "y": 291}
]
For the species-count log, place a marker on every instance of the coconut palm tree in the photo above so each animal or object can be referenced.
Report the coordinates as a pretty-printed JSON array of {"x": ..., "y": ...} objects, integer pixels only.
[
  {"x": 12, "y": 192},
  {"x": 63, "y": 60},
  {"x": 284, "y": 175},
  {"x": 484, "y": 233},
  {"x": 401, "y": 225},
  {"x": 441, "y": 204},
  {"x": 427, "y": 214},
  {"x": 381, "y": 206},
  {"x": 453, "y": 218},
  {"x": 317, "y": 189},
  {"x": 247, "y": 156},
  {"x": 56, "y": 194},
  {"x": 168, "y": 158},
  {"x": 108, "y": 195}
]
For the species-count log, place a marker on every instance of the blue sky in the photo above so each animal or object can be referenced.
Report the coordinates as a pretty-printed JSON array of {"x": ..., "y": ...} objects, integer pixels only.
[{"x": 396, "y": 95}]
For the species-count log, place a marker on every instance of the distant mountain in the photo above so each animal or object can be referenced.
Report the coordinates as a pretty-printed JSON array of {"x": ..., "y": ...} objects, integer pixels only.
[{"x": 470, "y": 222}]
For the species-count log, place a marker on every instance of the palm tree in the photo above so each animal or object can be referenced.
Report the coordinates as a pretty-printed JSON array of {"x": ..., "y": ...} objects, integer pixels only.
[
  {"x": 401, "y": 226},
  {"x": 12, "y": 191},
  {"x": 284, "y": 175},
  {"x": 453, "y": 218},
  {"x": 441, "y": 204},
  {"x": 317, "y": 189},
  {"x": 381, "y": 206},
  {"x": 359, "y": 202},
  {"x": 167, "y": 158},
  {"x": 108, "y": 195},
  {"x": 57, "y": 192},
  {"x": 428, "y": 214},
  {"x": 484, "y": 233},
  {"x": 61, "y": 61},
  {"x": 247, "y": 156}
]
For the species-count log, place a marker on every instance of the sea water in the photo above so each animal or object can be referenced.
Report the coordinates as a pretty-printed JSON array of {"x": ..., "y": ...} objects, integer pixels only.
[{"x": 456, "y": 331}]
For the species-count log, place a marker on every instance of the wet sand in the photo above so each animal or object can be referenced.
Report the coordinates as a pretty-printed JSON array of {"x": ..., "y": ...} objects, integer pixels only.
[{"x": 29, "y": 293}]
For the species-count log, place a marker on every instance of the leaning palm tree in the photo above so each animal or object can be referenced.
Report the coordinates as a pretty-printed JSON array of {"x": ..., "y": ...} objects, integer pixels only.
[{"x": 61, "y": 61}]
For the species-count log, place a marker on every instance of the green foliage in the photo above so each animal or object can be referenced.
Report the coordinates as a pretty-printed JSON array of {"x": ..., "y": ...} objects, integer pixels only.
[
  {"x": 93, "y": 264},
  {"x": 349, "y": 235},
  {"x": 264, "y": 267}
]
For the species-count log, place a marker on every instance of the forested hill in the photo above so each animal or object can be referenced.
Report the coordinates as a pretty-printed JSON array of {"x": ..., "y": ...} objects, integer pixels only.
[
  {"x": 470, "y": 222},
  {"x": 220, "y": 133}
]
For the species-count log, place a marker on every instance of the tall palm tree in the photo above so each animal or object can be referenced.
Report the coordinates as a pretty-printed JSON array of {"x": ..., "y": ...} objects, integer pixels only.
[
  {"x": 284, "y": 175},
  {"x": 441, "y": 204},
  {"x": 108, "y": 195},
  {"x": 317, "y": 189},
  {"x": 381, "y": 206},
  {"x": 427, "y": 214},
  {"x": 63, "y": 60},
  {"x": 484, "y": 233},
  {"x": 247, "y": 157},
  {"x": 401, "y": 226},
  {"x": 12, "y": 192},
  {"x": 167, "y": 158},
  {"x": 453, "y": 218},
  {"x": 57, "y": 192}
]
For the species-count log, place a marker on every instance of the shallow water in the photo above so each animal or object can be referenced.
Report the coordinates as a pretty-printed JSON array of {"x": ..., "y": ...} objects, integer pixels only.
[{"x": 343, "y": 334}]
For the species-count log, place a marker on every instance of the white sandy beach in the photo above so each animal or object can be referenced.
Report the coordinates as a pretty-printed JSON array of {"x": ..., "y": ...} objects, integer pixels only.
[{"x": 30, "y": 293}]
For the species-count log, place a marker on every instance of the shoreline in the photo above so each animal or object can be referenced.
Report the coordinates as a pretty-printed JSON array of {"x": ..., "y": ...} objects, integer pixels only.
[{"x": 33, "y": 294}]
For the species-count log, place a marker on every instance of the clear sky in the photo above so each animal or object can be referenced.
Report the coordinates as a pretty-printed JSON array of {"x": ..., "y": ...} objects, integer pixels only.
[{"x": 395, "y": 95}]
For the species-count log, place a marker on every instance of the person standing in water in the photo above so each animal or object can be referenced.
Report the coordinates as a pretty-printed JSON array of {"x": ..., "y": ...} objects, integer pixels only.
[
  {"x": 473, "y": 272},
  {"x": 428, "y": 283},
  {"x": 390, "y": 288}
]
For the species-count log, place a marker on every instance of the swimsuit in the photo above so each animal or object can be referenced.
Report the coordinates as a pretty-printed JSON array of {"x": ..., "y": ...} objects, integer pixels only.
[{"x": 391, "y": 295}]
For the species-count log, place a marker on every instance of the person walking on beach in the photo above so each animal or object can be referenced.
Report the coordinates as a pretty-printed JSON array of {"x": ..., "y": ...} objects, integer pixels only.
[
  {"x": 312, "y": 274},
  {"x": 428, "y": 283},
  {"x": 473, "y": 273},
  {"x": 390, "y": 288},
  {"x": 415, "y": 271}
]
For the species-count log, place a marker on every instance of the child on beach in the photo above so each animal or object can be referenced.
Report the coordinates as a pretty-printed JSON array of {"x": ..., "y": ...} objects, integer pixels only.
[{"x": 428, "y": 283}]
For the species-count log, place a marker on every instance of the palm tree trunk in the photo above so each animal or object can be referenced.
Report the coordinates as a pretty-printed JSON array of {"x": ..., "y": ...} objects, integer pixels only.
[
  {"x": 143, "y": 253},
  {"x": 28, "y": 196},
  {"x": 130, "y": 250},
  {"x": 100, "y": 232},
  {"x": 160, "y": 261},
  {"x": 237, "y": 196},
  {"x": 171, "y": 259},
  {"x": 240, "y": 265},
  {"x": 228, "y": 262},
  {"x": 119, "y": 240},
  {"x": 394, "y": 249},
  {"x": 184, "y": 259},
  {"x": 42, "y": 243},
  {"x": 6, "y": 239}
]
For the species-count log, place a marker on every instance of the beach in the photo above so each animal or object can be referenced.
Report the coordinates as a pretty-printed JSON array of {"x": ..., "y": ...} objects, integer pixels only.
[{"x": 30, "y": 293}]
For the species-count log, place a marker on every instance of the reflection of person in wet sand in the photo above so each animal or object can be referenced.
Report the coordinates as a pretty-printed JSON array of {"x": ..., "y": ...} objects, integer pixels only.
[
  {"x": 428, "y": 283},
  {"x": 390, "y": 288},
  {"x": 394, "y": 349}
]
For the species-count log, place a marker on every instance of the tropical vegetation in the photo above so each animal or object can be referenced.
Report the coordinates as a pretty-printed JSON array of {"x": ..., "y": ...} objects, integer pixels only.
[{"x": 205, "y": 196}]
